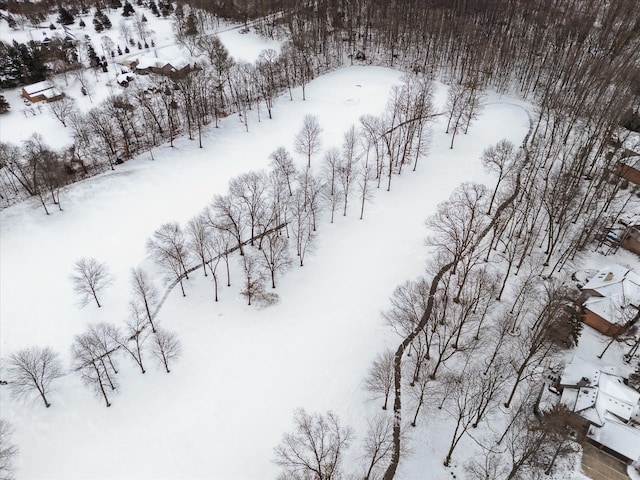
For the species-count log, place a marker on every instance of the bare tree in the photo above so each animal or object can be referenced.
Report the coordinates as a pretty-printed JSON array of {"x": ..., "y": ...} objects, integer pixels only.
[
  {"x": 282, "y": 163},
  {"x": 145, "y": 294},
  {"x": 89, "y": 279},
  {"x": 502, "y": 159},
  {"x": 423, "y": 388},
  {"x": 365, "y": 178},
  {"x": 221, "y": 245},
  {"x": 461, "y": 407},
  {"x": 458, "y": 222},
  {"x": 308, "y": 141},
  {"x": 380, "y": 378},
  {"x": 62, "y": 109},
  {"x": 198, "y": 237},
  {"x": 166, "y": 347},
  {"x": 330, "y": 169},
  {"x": 347, "y": 167},
  {"x": 168, "y": 248},
  {"x": 134, "y": 337},
  {"x": 275, "y": 255},
  {"x": 33, "y": 370},
  {"x": 378, "y": 445},
  {"x": 8, "y": 451},
  {"x": 253, "y": 288},
  {"x": 88, "y": 361},
  {"x": 526, "y": 442},
  {"x": 250, "y": 189},
  {"x": 314, "y": 449},
  {"x": 301, "y": 223},
  {"x": 228, "y": 213}
]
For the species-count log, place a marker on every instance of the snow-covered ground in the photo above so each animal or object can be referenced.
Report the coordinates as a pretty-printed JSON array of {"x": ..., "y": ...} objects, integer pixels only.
[{"x": 244, "y": 369}]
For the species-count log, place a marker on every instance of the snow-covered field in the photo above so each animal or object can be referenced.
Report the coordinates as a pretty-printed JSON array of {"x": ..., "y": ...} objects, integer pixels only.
[{"x": 244, "y": 369}]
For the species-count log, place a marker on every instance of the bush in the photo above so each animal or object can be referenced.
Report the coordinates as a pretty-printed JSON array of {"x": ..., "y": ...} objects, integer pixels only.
[{"x": 4, "y": 105}]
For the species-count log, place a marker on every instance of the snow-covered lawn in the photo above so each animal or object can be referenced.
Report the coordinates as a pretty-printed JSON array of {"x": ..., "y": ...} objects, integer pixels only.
[{"x": 244, "y": 369}]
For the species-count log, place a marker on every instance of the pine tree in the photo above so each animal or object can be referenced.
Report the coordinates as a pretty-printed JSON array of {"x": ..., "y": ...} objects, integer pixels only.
[
  {"x": 127, "y": 10},
  {"x": 105, "y": 21},
  {"x": 65, "y": 17},
  {"x": 154, "y": 8},
  {"x": 4, "y": 105}
]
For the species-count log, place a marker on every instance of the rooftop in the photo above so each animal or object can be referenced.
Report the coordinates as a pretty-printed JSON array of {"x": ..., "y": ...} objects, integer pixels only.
[
  {"x": 614, "y": 294},
  {"x": 600, "y": 396}
]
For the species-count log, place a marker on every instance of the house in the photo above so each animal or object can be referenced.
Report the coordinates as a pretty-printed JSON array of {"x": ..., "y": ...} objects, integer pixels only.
[
  {"x": 145, "y": 63},
  {"x": 611, "y": 299},
  {"x": 608, "y": 410},
  {"x": 625, "y": 146},
  {"x": 631, "y": 238},
  {"x": 628, "y": 167},
  {"x": 41, "y": 91}
]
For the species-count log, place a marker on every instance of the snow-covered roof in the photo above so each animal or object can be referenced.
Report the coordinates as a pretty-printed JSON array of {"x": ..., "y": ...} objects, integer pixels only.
[
  {"x": 619, "y": 437},
  {"x": 594, "y": 393},
  {"x": 124, "y": 77},
  {"x": 617, "y": 294},
  {"x": 39, "y": 87},
  {"x": 578, "y": 370},
  {"x": 145, "y": 61},
  {"x": 631, "y": 140},
  {"x": 43, "y": 88}
]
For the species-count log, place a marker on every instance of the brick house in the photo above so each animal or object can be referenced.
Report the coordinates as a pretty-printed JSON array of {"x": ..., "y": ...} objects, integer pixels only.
[
  {"x": 41, "y": 91},
  {"x": 611, "y": 299}
]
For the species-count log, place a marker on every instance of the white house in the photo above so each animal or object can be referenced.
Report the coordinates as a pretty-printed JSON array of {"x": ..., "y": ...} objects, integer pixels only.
[{"x": 609, "y": 408}]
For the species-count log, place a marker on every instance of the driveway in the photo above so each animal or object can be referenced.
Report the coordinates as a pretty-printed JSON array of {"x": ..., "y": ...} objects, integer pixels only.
[{"x": 600, "y": 465}]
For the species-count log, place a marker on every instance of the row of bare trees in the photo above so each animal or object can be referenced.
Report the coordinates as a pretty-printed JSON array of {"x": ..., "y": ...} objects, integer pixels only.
[{"x": 474, "y": 333}]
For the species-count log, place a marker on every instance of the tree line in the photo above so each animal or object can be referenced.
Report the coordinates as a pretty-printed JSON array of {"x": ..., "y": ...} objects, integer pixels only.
[{"x": 468, "y": 347}]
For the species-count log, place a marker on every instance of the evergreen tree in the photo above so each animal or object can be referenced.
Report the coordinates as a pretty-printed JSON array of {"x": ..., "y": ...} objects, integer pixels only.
[
  {"x": 154, "y": 8},
  {"x": 65, "y": 17},
  {"x": 21, "y": 63},
  {"x": 105, "y": 21},
  {"x": 4, "y": 105},
  {"x": 127, "y": 10},
  {"x": 166, "y": 8},
  {"x": 82, "y": 24},
  {"x": 97, "y": 24},
  {"x": 116, "y": 4}
]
